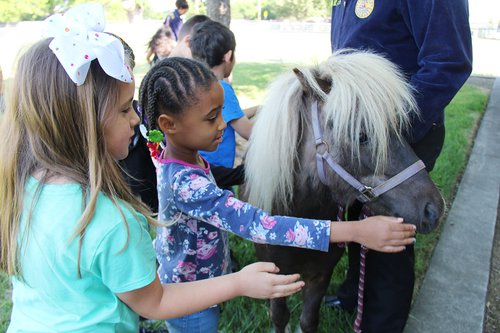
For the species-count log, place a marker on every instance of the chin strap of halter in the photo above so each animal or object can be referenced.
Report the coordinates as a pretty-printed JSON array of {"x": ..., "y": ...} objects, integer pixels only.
[{"x": 367, "y": 193}]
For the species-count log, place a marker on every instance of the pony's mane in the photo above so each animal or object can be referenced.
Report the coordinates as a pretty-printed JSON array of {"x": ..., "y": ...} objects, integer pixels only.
[{"x": 369, "y": 98}]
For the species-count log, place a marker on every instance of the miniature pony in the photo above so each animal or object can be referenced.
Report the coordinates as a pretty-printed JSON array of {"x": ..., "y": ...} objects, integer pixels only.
[{"x": 326, "y": 136}]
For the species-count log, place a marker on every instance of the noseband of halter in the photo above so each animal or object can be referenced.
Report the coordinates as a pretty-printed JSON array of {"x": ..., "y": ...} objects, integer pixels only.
[{"x": 367, "y": 193}]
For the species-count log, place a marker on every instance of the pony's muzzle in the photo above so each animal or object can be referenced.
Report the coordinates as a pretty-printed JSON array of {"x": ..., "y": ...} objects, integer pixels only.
[{"x": 432, "y": 214}]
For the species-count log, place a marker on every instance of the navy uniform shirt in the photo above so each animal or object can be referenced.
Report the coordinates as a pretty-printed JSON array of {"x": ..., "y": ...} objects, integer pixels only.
[
  {"x": 430, "y": 40},
  {"x": 174, "y": 22}
]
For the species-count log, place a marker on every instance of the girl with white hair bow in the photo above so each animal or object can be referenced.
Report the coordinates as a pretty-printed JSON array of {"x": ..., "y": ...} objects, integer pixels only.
[{"x": 73, "y": 238}]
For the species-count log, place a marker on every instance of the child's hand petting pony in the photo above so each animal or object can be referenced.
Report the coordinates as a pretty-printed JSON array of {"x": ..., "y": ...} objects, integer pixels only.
[
  {"x": 387, "y": 234},
  {"x": 379, "y": 233},
  {"x": 259, "y": 280}
]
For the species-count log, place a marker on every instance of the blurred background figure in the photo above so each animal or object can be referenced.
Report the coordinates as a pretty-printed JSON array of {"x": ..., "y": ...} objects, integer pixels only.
[
  {"x": 160, "y": 45},
  {"x": 174, "y": 20},
  {"x": 134, "y": 9}
]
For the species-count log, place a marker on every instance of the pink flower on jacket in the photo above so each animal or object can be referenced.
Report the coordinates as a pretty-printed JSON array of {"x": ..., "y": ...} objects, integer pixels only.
[
  {"x": 192, "y": 224},
  {"x": 301, "y": 234},
  {"x": 238, "y": 205},
  {"x": 205, "y": 250},
  {"x": 185, "y": 193},
  {"x": 259, "y": 234},
  {"x": 235, "y": 203},
  {"x": 190, "y": 277},
  {"x": 230, "y": 201},
  {"x": 215, "y": 220},
  {"x": 185, "y": 268},
  {"x": 268, "y": 222},
  {"x": 197, "y": 182},
  {"x": 212, "y": 235}
]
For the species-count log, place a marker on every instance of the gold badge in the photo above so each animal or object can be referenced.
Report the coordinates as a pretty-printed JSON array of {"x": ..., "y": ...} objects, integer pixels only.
[{"x": 364, "y": 8}]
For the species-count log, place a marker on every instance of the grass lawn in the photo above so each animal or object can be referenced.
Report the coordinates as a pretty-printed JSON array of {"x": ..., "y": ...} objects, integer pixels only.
[{"x": 247, "y": 315}]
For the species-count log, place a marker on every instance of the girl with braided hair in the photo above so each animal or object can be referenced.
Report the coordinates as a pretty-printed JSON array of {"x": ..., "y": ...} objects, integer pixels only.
[{"x": 182, "y": 100}]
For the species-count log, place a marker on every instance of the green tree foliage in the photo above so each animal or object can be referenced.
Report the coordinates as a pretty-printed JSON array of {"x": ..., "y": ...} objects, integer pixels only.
[
  {"x": 300, "y": 9},
  {"x": 282, "y": 9},
  {"x": 244, "y": 9},
  {"x": 29, "y": 10},
  {"x": 34, "y": 10}
]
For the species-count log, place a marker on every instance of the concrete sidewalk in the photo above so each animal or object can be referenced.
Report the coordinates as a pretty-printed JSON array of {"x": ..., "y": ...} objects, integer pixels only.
[{"x": 453, "y": 294}]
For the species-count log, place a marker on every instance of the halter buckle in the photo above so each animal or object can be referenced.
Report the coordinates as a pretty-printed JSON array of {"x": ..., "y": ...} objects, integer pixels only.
[
  {"x": 367, "y": 194},
  {"x": 322, "y": 143}
]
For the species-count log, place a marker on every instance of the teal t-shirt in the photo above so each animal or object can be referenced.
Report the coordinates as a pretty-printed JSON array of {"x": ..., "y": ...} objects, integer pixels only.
[{"x": 52, "y": 298}]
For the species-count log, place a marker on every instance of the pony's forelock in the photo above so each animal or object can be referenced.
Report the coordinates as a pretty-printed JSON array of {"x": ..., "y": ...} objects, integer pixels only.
[{"x": 369, "y": 98}]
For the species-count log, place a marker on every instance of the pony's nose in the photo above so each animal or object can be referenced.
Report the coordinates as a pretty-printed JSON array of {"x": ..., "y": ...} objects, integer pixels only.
[{"x": 431, "y": 213}]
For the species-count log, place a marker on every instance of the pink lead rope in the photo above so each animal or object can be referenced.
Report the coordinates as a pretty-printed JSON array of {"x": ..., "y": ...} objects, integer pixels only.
[
  {"x": 361, "y": 288},
  {"x": 362, "y": 271}
]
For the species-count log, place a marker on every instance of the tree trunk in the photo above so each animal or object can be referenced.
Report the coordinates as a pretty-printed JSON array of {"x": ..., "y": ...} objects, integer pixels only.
[{"x": 220, "y": 11}]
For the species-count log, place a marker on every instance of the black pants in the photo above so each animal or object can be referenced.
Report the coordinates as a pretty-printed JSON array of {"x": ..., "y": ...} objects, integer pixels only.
[{"x": 390, "y": 277}]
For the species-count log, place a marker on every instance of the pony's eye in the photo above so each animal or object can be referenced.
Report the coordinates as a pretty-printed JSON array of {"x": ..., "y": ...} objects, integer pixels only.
[{"x": 363, "y": 139}]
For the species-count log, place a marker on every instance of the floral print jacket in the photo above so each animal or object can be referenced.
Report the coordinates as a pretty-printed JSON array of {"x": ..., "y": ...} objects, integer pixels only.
[{"x": 194, "y": 245}]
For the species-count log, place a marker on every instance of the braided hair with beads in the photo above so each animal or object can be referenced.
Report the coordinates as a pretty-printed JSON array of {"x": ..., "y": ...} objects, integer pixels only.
[{"x": 170, "y": 87}]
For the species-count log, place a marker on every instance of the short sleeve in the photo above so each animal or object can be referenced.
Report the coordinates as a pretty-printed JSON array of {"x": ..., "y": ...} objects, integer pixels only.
[
  {"x": 231, "y": 109},
  {"x": 124, "y": 269}
]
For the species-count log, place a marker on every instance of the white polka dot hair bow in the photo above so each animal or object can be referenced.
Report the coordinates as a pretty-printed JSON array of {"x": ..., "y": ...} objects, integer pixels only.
[{"x": 79, "y": 39}]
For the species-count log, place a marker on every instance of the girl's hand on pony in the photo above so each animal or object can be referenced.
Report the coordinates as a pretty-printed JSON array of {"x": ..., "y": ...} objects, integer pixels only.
[
  {"x": 260, "y": 280},
  {"x": 385, "y": 234}
]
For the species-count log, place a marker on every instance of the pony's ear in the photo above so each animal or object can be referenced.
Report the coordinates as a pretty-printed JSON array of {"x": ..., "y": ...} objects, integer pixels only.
[
  {"x": 303, "y": 82},
  {"x": 325, "y": 85}
]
